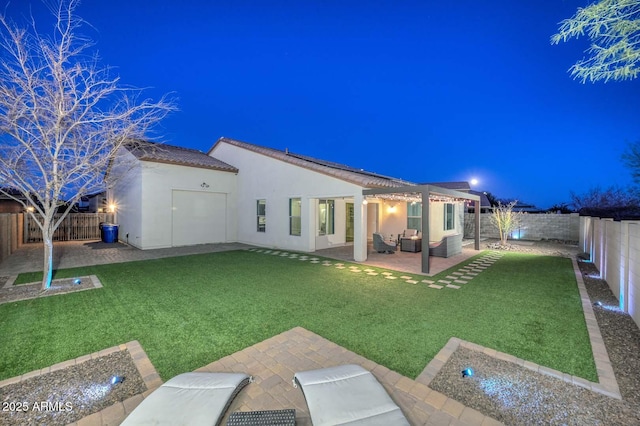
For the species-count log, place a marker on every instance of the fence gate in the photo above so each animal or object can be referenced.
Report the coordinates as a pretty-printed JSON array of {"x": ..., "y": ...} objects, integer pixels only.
[{"x": 74, "y": 227}]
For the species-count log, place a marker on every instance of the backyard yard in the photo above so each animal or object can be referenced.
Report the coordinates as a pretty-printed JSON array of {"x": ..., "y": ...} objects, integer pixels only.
[{"x": 189, "y": 311}]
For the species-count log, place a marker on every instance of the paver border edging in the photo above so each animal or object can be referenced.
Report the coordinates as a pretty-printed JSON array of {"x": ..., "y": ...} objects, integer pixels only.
[
  {"x": 607, "y": 383},
  {"x": 95, "y": 282}
]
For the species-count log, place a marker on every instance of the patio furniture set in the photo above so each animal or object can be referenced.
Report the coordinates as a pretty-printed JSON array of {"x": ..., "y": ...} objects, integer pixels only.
[
  {"x": 346, "y": 394},
  {"x": 411, "y": 241}
]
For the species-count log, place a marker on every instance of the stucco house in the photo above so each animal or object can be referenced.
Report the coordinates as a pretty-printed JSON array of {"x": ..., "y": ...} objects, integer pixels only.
[{"x": 241, "y": 192}]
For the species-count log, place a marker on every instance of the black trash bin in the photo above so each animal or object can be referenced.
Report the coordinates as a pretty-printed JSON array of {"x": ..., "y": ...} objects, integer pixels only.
[{"x": 109, "y": 232}]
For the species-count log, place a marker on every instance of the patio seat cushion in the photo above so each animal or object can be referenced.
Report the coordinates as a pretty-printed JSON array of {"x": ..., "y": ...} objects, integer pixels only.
[
  {"x": 347, "y": 394},
  {"x": 189, "y": 399},
  {"x": 408, "y": 233}
]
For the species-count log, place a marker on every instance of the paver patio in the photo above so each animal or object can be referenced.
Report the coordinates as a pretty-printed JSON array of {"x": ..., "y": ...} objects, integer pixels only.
[
  {"x": 401, "y": 260},
  {"x": 274, "y": 361}
]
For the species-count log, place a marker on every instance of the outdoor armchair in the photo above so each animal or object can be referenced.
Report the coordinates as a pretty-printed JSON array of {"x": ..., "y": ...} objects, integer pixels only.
[
  {"x": 381, "y": 246},
  {"x": 447, "y": 247}
]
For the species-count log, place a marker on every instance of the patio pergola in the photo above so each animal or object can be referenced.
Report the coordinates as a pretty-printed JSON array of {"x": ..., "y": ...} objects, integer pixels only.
[{"x": 429, "y": 193}]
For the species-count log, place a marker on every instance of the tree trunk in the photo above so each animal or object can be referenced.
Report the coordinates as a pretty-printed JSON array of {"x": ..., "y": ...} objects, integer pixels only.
[{"x": 47, "y": 271}]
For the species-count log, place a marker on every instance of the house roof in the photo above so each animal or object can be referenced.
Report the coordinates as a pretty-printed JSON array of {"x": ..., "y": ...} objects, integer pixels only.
[
  {"x": 169, "y": 154},
  {"x": 458, "y": 186},
  {"x": 340, "y": 171},
  {"x": 484, "y": 200}
]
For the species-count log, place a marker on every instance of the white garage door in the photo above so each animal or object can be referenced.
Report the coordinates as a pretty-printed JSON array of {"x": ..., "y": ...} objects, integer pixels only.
[{"x": 198, "y": 218}]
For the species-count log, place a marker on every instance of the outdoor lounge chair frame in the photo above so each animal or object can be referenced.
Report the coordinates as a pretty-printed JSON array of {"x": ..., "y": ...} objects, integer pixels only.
[
  {"x": 194, "y": 399},
  {"x": 447, "y": 247},
  {"x": 347, "y": 394}
]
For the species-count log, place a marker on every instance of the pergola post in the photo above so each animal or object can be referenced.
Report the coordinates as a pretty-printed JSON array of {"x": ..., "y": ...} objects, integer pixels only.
[
  {"x": 425, "y": 231},
  {"x": 359, "y": 229},
  {"x": 476, "y": 210}
]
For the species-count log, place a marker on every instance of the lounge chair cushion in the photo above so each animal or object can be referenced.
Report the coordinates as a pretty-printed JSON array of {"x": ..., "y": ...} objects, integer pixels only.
[
  {"x": 347, "y": 394},
  {"x": 189, "y": 399}
]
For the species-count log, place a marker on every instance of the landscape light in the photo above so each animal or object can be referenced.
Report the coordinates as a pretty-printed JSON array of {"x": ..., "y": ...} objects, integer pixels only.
[
  {"x": 117, "y": 379},
  {"x": 467, "y": 372},
  {"x": 77, "y": 281}
]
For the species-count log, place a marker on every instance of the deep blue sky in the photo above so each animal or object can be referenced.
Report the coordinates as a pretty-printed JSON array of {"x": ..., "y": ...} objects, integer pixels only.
[{"x": 425, "y": 91}]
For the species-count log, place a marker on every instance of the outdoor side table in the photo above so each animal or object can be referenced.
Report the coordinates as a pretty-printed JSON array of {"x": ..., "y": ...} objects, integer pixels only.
[
  {"x": 263, "y": 418},
  {"x": 413, "y": 245}
]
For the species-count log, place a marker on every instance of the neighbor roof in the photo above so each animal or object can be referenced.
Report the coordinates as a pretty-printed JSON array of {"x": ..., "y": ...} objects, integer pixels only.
[
  {"x": 339, "y": 171},
  {"x": 169, "y": 154}
]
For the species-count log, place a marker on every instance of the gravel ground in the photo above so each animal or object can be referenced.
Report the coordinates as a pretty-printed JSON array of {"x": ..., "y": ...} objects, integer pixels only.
[
  {"x": 67, "y": 395},
  {"x": 515, "y": 395}
]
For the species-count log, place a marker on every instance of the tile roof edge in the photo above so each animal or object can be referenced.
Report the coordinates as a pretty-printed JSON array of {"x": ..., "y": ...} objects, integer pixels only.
[{"x": 227, "y": 168}]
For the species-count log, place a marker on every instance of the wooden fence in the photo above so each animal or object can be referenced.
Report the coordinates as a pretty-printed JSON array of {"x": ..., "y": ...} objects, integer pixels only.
[
  {"x": 10, "y": 230},
  {"x": 74, "y": 227}
]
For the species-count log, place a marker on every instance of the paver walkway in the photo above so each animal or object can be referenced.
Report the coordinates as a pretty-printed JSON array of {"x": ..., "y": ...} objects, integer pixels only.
[
  {"x": 455, "y": 280},
  {"x": 73, "y": 254}
]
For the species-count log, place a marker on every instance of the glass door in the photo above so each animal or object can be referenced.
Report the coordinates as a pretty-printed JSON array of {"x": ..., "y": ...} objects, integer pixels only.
[{"x": 349, "y": 221}]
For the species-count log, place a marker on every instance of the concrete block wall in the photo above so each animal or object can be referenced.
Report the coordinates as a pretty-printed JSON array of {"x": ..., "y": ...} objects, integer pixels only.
[
  {"x": 612, "y": 257},
  {"x": 614, "y": 248},
  {"x": 632, "y": 299},
  {"x": 534, "y": 227}
]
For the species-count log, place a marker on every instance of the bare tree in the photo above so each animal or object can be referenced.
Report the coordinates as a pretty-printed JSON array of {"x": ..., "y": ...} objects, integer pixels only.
[
  {"x": 613, "y": 27},
  {"x": 631, "y": 159},
  {"x": 63, "y": 117},
  {"x": 506, "y": 220},
  {"x": 613, "y": 202}
]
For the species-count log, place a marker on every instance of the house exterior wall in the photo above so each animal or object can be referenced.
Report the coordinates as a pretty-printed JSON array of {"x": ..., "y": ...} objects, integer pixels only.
[
  {"x": 263, "y": 177},
  {"x": 126, "y": 193},
  {"x": 144, "y": 200},
  {"x": 158, "y": 183},
  {"x": 436, "y": 226},
  {"x": 393, "y": 219}
]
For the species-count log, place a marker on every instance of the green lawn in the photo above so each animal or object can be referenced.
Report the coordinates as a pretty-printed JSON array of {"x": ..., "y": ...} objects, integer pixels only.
[{"x": 192, "y": 310}]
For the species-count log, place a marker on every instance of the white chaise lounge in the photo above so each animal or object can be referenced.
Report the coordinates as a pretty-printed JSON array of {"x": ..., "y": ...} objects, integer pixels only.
[
  {"x": 347, "y": 394},
  {"x": 189, "y": 399}
]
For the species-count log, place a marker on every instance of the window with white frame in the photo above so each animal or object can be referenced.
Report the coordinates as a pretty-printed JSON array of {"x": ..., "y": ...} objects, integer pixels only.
[
  {"x": 261, "y": 210},
  {"x": 295, "y": 216},
  {"x": 414, "y": 216},
  {"x": 449, "y": 216},
  {"x": 326, "y": 217}
]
